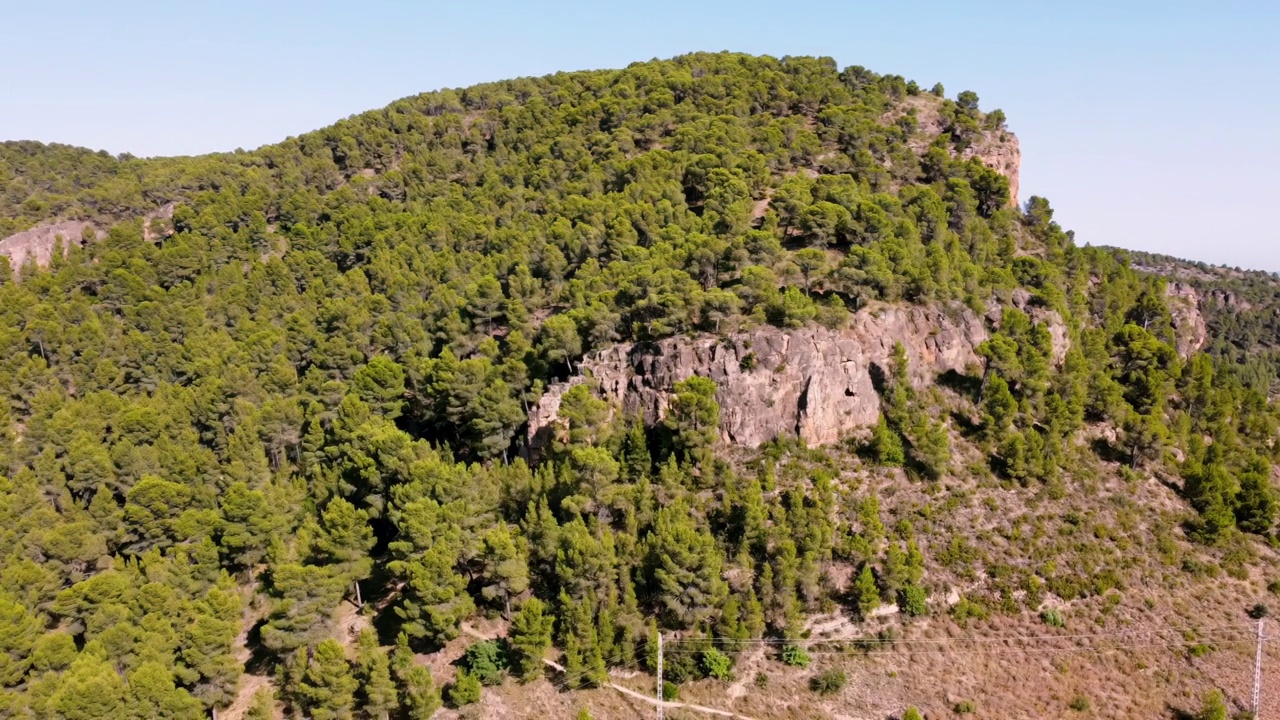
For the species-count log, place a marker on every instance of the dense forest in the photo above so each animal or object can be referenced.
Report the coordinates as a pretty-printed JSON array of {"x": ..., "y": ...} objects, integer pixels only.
[{"x": 307, "y": 391}]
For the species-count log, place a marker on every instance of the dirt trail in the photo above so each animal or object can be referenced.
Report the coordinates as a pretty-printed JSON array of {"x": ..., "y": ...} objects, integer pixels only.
[
  {"x": 670, "y": 705},
  {"x": 745, "y": 673},
  {"x": 249, "y": 687},
  {"x": 250, "y": 684}
]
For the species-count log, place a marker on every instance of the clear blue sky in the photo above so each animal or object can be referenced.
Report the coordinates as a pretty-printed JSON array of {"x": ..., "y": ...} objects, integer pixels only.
[{"x": 1150, "y": 125}]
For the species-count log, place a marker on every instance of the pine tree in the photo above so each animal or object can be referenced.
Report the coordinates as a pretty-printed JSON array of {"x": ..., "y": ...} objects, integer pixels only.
[
  {"x": 401, "y": 655},
  {"x": 90, "y": 689},
  {"x": 885, "y": 445},
  {"x": 1213, "y": 706},
  {"x": 753, "y": 617},
  {"x": 262, "y": 707},
  {"x": 435, "y": 600},
  {"x": 694, "y": 416},
  {"x": 153, "y": 694},
  {"x": 894, "y": 571},
  {"x": 373, "y": 671},
  {"x": 381, "y": 385},
  {"x": 247, "y": 523},
  {"x": 866, "y": 593},
  {"x": 327, "y": 688},
  {"x": 575, "y": 667},
  {"x": 421, "y": 697},
  {"x": 915, "y": 563},
  {"x": 531, "y": 631},
  {"x": 304, "y": 596},
  {"x": 1256, "y": 502},
  {"x": 686, "y": 566},
  {"x": 464, "y": 690},
  {"x": 506, "y": 571},
  {"x": 19, "y": 631}
]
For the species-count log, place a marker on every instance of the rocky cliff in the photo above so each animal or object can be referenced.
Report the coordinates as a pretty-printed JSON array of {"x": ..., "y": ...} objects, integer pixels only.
[
  {"x": 1000, "y": 151},
  {"x": 38, "y": 244},
  {"x": 810, "y": 382},
  {"x": 1190, "y": 331}
]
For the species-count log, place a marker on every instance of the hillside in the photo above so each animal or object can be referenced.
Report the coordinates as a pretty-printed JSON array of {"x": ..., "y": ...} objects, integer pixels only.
[{"x": 453, "y": 408}]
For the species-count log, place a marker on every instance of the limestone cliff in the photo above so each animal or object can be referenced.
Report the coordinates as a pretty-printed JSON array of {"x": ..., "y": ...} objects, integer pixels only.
[
  {"x": 1189, "y": 328},
  {"x": 37, "y": 244},
  {"x": 810, "y": 382},
  {"x": 1000, "y": 151}
]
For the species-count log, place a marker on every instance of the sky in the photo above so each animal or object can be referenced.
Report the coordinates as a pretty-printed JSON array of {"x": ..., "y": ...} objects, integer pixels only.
[{"x": 1148, "y": 125}]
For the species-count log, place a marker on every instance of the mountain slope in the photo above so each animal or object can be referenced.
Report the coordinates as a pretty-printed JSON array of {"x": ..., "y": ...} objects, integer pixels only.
[{"x": 527, "y": 356}]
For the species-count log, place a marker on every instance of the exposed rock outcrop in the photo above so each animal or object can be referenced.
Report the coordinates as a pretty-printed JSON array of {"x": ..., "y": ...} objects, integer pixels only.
[
  {"x": 997, "y": 149},
  {"x": 1000, "y": 151},
  {"x": 38, "y": 243},
  {"x": 810, "y": 382},
  {"x": 1189, "y": 329},
  {"x": 1052, "y": 321}
]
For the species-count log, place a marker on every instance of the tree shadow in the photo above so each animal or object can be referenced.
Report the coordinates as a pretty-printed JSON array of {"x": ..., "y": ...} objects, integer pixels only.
[
  {"x": 1106, "y": 452},
  {"x": 966, "y": 385},
  {"x": 261, "y": 658},
  {"x": 879, "y": 378},
  {"x": 965, "y": 424}
]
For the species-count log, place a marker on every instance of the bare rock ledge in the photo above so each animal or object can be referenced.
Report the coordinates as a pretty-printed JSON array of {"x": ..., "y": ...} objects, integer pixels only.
[{"x": 809, "y": 382}]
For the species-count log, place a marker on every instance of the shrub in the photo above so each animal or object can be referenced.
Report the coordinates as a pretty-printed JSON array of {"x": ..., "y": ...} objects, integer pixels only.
[
  {"x": 716, "y": 664},
  {"x": 464, "y": 690},
  {"x": 795, "y": 656},
  {"x": 487, "y": 662},
  {"x": 1079, "y": 703},
  {"x": 966, "y": 707},
  {"x": 670, "y": 690},
  {"x": 829, "y": 682},
  {"x": 911, "y": 600},
  {"x": 912, "y": 714},
  {"x": 966, "y": 609},
  {"x": 762, "y": 680},
  {"x": 1213, "y": 706},
  {"x": 1199, "y": 650},
  {"x": 1052, "y": 618}
]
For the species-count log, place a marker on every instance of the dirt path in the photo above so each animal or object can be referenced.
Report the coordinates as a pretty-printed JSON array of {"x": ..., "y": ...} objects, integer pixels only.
[
  {"x": 670, "y": 704},
  {"x": 249, "y": 684},
  {"x": 745, "y": 673},
  {"x": 249, "y": 687}
]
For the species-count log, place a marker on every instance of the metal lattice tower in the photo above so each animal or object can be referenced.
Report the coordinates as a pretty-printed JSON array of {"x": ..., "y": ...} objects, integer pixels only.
[
  {"x": 660, "y": 698},
  {"x": 1257, "y": 673}
]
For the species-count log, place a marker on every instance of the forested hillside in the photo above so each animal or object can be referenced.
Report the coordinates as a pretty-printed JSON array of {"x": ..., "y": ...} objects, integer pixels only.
[{"x": 277, "y": 442}]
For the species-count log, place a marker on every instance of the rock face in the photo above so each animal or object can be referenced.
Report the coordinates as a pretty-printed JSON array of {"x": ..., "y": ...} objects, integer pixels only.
[
  {"x": 1000, "y": 151},
  {"x": 37, "y": 244},
  {"x": 1189, "y": 329},
  {"x": 997, "y": 149},
  {"x": 810, "y": 382}
]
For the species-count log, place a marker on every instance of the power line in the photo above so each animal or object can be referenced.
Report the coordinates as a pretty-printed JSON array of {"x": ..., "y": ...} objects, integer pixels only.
[
  {"x": 1196, "y": 635},
  {"x": 1006, "y": 651}
]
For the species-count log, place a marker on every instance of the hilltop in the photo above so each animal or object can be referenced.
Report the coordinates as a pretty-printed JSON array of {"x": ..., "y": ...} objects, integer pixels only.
[{"x": 464, "y": 401}]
